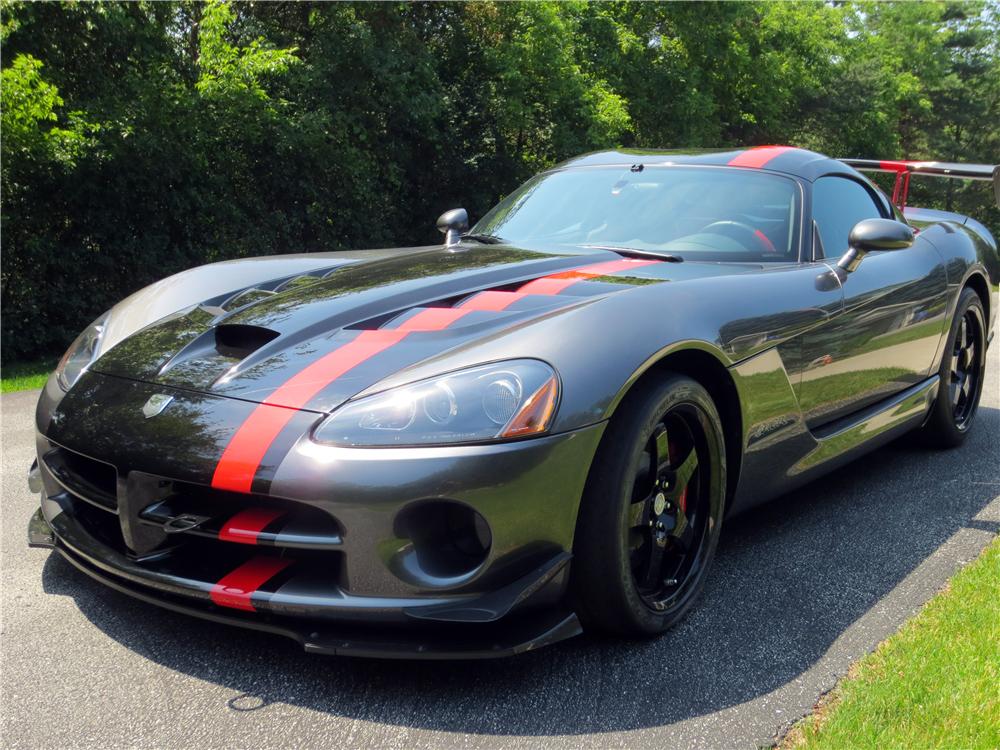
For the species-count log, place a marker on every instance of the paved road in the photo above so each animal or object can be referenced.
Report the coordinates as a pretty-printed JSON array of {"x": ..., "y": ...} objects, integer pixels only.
[{"x": 800, "y": 590}]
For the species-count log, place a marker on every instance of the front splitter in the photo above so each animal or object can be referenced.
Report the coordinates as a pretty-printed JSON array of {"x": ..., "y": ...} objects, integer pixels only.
[{"x": 517, "y": 633}]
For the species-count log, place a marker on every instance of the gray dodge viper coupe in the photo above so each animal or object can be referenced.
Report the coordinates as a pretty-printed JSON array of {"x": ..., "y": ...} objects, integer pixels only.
[{"x": 483, "y": 447}]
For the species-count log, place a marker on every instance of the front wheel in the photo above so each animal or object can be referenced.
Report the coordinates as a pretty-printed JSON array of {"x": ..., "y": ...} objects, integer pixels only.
[
  {"x": 963, "y": 369},
  {"x": 651, "y": 514}
]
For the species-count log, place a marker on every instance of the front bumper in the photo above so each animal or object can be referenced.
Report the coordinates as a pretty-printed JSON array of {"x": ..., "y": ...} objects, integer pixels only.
[
  {"x": 352, "y": 574},
  {"x": 520, "y": 632}
]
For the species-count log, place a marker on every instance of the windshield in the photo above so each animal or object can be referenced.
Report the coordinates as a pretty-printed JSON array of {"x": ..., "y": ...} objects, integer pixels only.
[{"x": 690, "y": 212}]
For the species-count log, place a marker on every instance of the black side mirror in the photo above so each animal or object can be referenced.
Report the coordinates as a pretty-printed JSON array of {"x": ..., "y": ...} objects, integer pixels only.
[
  {"x": 453, "y": 223},
  {"x": 870, "y": 235}
]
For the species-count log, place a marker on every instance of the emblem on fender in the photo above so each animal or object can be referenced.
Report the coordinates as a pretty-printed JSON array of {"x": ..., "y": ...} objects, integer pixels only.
[{"x": 156, "y": 404}]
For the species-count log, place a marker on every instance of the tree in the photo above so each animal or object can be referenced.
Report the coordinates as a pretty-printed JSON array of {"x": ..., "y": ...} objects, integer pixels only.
[{"x": 142, "y": 138}]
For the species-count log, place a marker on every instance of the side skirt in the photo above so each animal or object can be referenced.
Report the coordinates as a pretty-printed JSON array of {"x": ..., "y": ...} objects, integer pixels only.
[
  {"x": 795, "y": 455},
  {"x": 844, "y": 439}
]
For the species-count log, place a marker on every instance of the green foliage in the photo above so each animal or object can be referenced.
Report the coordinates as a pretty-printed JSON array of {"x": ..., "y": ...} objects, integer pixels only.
[
  {"x": 142, "y": 138},
  {"x": 28, "y": 114},
  {"x": 234, "y": 73}
]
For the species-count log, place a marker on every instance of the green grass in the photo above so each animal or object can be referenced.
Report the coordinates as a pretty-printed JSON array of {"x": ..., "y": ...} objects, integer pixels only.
[
  {"x": 934, "y": 684},
  {"x": 22, "y": 376}
]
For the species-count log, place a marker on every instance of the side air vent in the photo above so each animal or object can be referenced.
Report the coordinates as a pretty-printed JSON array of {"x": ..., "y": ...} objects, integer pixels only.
[{"x": 240, "y": 341}]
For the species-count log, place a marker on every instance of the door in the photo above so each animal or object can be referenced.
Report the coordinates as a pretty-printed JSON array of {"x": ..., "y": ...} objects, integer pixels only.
[{"x": 886, "y": 338}]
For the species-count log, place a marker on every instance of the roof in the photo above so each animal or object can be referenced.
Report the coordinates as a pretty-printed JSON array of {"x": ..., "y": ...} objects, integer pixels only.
[{"x": 799, "y": 162}]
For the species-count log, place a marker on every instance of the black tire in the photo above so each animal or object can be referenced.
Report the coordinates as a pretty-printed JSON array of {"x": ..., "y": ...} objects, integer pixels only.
[
  {"x": 963, "y": 368},
  {"x": 676, "y": 523}
]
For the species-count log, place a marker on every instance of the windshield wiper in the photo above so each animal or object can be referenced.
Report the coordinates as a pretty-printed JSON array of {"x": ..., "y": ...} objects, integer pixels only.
[
  {"x": 486, "y": 239},
  {"x": 631, "y": 252}
]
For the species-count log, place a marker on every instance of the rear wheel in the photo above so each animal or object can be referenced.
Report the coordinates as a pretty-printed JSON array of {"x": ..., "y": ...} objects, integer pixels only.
[
  {"x": 652, "y": 511},
  {"x": 963, "y": 369}
]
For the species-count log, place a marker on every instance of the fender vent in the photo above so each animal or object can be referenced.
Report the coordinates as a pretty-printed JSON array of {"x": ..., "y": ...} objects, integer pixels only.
[{"x": 240, "y": 341}]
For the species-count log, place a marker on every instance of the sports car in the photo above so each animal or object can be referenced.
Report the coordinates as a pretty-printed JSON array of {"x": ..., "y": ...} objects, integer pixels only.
[{"x": 539, "y": 426}]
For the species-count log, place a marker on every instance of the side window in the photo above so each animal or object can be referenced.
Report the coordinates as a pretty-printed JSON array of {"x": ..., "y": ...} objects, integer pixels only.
[{"x": 838, "y": 204}]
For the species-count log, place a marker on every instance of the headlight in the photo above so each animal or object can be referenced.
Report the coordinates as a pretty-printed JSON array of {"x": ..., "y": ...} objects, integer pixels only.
[
  {"x": 80, "y": 354},
  {"x": 502, "y": 401}
]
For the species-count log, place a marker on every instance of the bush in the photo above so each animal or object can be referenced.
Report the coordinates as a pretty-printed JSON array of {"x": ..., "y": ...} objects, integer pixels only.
[{"x": 143, "y": 138}]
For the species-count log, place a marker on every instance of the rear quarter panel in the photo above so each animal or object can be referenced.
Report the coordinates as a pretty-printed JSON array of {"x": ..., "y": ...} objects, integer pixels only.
[{"x": 969, "y": 251}]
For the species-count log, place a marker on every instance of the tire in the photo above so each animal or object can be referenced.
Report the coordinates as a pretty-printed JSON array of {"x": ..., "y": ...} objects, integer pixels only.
[
  {"x": 627, "y": 522},
  {"x": 963, "y": 368}
]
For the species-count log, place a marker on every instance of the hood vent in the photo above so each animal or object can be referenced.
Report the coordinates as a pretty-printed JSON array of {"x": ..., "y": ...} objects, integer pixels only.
[
  {"x": 213, "y": 354},
  {"x": 240, "y": 341}
]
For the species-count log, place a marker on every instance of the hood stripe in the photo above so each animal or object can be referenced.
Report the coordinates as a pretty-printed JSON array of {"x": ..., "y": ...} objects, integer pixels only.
[
  {"x": 235, "y": 588},
  {"x": 246, "y": 525},
  {"x": 558, "y": 281},
  {"x": 491, "y": 301},
  {"x": 235, "y": 470},
  {"x": 246, "y": 449},
  {"x": 758, "y": 157},
  {"x": 432, "y": 319}
]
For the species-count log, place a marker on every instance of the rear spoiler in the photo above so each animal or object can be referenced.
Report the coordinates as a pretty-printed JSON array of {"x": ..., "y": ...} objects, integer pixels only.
[{"x": 903, "y": 170}]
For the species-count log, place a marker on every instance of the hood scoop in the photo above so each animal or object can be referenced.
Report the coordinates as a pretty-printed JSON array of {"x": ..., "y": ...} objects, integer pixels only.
[
  {"x": 239, "y": 341},
  {"x": 215, "y": 352}
]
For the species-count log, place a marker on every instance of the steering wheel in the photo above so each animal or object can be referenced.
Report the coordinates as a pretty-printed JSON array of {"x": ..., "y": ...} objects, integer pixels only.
[{"x": 743, "y": 233}]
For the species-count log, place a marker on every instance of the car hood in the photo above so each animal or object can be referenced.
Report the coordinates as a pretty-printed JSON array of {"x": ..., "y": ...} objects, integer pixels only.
[{"x": 313, "y": 340}]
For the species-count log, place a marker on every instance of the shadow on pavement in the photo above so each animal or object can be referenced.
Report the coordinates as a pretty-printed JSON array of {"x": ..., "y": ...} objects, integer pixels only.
[{"x": 790, "y": 578}]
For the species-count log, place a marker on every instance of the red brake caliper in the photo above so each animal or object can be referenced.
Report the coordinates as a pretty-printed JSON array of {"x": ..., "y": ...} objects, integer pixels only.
[{"x": 683, "y": 499}]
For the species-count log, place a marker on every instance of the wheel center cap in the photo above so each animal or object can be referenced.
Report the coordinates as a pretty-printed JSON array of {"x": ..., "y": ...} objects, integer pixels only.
[{"x": 659, "y": 503}]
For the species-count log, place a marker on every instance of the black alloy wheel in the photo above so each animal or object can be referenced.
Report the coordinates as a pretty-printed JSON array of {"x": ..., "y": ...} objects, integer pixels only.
[
  {"x": 668, "y": 516},
  {"x": 961, "y": 375},
  {"x": 965, "y": 385},
  {"x": 651, "y": 514}
]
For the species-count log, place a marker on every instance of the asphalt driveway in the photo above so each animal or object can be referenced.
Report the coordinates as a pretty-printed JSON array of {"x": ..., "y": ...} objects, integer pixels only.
[{"x": 801, "y": 588}]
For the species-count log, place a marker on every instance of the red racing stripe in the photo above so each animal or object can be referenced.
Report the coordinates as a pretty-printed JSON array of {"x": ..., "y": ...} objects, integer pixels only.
[
  {"x": 558, "y": 281},
  {"x": 549, "y": 285},
  {"x": 235, "y": 589},
  {"x": 238, "y": 465},
  {"x": 246, "y": 525},
  {"x": 432, "y": 319},
  {"x": 242, "y": 456},
  {"x": 758, "y": 157},
  {"x": 491, "y": 301}
]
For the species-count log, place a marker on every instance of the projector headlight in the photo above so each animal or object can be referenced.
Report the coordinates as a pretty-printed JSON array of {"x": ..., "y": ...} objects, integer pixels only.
[
  {"x": 81, "y": 354},
  {"x": 500, "y": 401}
]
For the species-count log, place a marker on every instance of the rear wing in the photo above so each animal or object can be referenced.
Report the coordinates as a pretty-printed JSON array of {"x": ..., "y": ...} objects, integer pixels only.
[{"x": 903, "y": 170}]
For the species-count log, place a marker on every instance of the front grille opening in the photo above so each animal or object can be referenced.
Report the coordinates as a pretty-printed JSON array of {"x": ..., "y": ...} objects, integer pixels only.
[
  {"x": 187, "y": 511},
  {"x": 104, "y": 527},
  {"x": 95, "y": 473},
  {"x": 93, "y": 480},
  {"x": 229, "y": 534}
]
